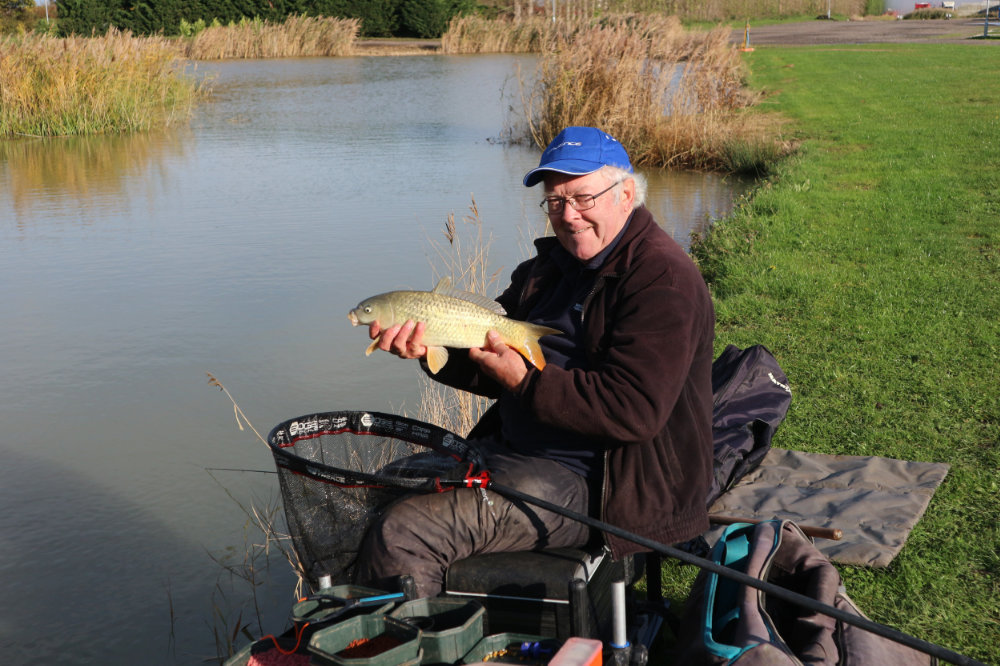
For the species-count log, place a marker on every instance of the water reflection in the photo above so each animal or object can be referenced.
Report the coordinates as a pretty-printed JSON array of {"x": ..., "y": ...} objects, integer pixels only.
[
  {"x": 47, "y": 175},
  {"x": 685, "y": 202},
  {"x": 134, "y": 264}
]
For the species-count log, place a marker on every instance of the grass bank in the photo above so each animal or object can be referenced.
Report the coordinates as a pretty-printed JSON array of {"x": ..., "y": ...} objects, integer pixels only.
[{"x": 870, "y": 265}]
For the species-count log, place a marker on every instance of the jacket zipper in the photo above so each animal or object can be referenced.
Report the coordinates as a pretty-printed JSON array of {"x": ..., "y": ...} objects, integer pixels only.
[{"x": 598, "y": 285}]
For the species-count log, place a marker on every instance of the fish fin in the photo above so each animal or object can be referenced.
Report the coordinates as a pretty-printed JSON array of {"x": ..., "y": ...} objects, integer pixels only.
[
  {"x": 528, "y": 346},
  {"x": 444, "y": 288},
  {"x": 481, "y": 301},
  {"x": 538, "y": 331},
  {"x": 373, "y": 346},
  {"x": 531, "y": 350},
  {"x": 436, "y": 358}
]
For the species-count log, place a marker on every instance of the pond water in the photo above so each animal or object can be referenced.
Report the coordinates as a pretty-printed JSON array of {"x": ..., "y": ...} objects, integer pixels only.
[{"x": 134, "y": 265}]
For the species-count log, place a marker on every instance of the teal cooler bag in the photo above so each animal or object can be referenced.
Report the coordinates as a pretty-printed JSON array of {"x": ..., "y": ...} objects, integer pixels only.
[{"x": 726, "y": 622}]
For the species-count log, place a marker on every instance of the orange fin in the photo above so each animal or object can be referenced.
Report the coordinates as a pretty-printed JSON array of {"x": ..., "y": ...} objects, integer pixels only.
[
  {"x": 531, "y": 350},
  {"x": 436, "y": 358}
]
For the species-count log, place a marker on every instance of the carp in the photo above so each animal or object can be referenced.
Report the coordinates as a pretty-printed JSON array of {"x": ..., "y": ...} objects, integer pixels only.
[{"x": 452, "y": 318}]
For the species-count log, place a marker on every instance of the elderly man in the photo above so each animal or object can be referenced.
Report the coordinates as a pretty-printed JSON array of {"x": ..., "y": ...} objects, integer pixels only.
[{"x": 618, "y": 424}]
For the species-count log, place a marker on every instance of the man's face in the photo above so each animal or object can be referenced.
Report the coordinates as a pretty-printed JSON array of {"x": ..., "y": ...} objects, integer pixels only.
[{"x": 584, "y": 233}]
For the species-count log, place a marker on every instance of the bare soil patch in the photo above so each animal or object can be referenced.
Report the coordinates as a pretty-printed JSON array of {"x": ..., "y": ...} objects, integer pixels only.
[
  {"x": 396, "y": 47},
  {"x": 875, "y": 31}
]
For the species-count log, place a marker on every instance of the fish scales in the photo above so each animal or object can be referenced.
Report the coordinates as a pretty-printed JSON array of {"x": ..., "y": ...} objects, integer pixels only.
[{"x": 449, "y": 321}]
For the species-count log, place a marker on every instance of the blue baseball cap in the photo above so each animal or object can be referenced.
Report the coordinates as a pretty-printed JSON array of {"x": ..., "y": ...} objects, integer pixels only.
[{"x": 577, "y": 151}]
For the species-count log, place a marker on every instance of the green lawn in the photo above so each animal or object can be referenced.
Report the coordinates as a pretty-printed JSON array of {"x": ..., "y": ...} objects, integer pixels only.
[{"x": 869, "y": 264}]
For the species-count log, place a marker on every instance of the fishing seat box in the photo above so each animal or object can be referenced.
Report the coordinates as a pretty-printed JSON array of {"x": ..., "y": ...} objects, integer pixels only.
[{"x": 560, "y": 592}]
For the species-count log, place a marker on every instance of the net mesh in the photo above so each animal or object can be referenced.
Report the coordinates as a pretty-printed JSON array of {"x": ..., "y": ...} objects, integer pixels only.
[{"x": 339, "y": 470}]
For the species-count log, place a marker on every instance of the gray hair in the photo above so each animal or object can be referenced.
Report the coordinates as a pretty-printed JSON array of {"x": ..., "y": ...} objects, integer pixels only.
[{"x": 613, "y": 173}]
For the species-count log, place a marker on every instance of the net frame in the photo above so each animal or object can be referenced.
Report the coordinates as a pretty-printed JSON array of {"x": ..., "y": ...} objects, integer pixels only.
[
  {"x": 338, "y": 471},
  {"x": 287, "y": 434}
]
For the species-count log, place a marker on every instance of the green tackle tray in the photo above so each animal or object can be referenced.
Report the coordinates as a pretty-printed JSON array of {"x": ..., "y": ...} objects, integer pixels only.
[
  {"x": 487, "y": 649},
  {"x": 242, "y": 657},
  {"x": 451, "y": 627},
  {"x": 315, "y": 610},
  {"x": 328, "y": 643}
]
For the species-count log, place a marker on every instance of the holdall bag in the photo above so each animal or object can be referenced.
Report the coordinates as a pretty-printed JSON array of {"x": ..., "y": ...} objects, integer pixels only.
[
  {"x": 726, "y": 622},
  {"x": 750, "y": 399}
]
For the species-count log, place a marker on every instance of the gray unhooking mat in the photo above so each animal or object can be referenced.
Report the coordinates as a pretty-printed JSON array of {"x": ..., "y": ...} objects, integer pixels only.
[{"x": 874, "y": 501}]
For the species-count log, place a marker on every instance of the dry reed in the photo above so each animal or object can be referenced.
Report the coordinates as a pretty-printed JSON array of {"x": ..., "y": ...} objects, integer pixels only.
[
  {"x": 466, "y": 261},
  {"x": 674, "y": 98},
  {"x": 237, "y": 610},
  {"x": 475, "y": 34},
  {"x": 297, "y": 36},
  {"x": 53, "y": 86}
]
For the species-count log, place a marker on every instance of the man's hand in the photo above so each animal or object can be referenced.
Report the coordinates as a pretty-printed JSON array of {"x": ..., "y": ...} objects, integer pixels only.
[
  {"x": 404, "y": 340},
  {"x": 500, "y": 361}
]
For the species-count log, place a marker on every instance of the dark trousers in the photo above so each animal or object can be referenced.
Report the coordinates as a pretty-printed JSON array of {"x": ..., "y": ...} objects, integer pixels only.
[{"x": 421, "y": 535}]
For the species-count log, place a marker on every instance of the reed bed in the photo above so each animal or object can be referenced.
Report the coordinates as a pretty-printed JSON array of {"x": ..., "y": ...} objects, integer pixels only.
[
  {"x": 295, "y": 37},
  {"x": 674, "y": 98},
  {"x": 475, "y": 34},
  {"x": 53, "y": 86}
]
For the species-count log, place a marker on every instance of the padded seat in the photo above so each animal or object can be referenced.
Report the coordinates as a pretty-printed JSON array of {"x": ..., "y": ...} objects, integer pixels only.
[{"x": 559, "y": 592}]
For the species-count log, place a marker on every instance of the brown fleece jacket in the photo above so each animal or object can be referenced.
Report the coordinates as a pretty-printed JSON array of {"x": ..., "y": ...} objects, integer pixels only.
[{"x": 646, "y": 397}]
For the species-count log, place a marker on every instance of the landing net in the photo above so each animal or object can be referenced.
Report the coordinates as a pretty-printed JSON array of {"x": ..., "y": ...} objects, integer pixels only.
[{"x": 339, "y": 470}]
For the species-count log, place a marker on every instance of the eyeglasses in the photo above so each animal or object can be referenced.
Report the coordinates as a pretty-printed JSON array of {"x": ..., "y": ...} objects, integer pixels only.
[{"x": 555, "y": 205}]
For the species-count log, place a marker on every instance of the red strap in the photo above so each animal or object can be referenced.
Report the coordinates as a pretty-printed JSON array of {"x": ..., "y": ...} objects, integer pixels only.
[
  {"x": 471, "y": 480},
  {"x": 480, "y": 480}
]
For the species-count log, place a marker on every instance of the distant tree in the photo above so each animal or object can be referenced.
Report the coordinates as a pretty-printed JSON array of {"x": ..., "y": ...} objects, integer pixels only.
[
  {"x": 15, "y": 8},
  {"x": 15, "y": 15},
  {"x": 429, "y": 18},
  {"x": 379, "y": 18},
  {"x": 84, "y": 17},
  {"x": 333, "y": 8}
]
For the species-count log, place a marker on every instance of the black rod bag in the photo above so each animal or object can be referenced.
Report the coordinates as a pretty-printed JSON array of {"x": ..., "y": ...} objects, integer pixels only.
[{"x": 751, "y": 398}]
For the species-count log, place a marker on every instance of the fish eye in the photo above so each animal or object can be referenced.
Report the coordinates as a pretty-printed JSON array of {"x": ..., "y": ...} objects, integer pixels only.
[{"x": 368, "y": 309}]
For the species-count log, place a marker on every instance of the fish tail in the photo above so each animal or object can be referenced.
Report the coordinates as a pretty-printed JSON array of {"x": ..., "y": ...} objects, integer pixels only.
[{"x": 527, "y": 344}]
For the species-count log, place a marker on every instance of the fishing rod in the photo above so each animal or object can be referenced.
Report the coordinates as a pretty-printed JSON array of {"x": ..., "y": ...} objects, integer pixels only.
[{"x": 740, "y": 577}]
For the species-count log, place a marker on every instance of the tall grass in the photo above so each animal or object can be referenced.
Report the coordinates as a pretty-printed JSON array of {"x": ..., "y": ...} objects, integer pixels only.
[
  {"x": 296, "y": 36},
  {"x": 674, "y": 98},
  {"x": 475, "y": 34},
  {"x": 53, "y": 86}
]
